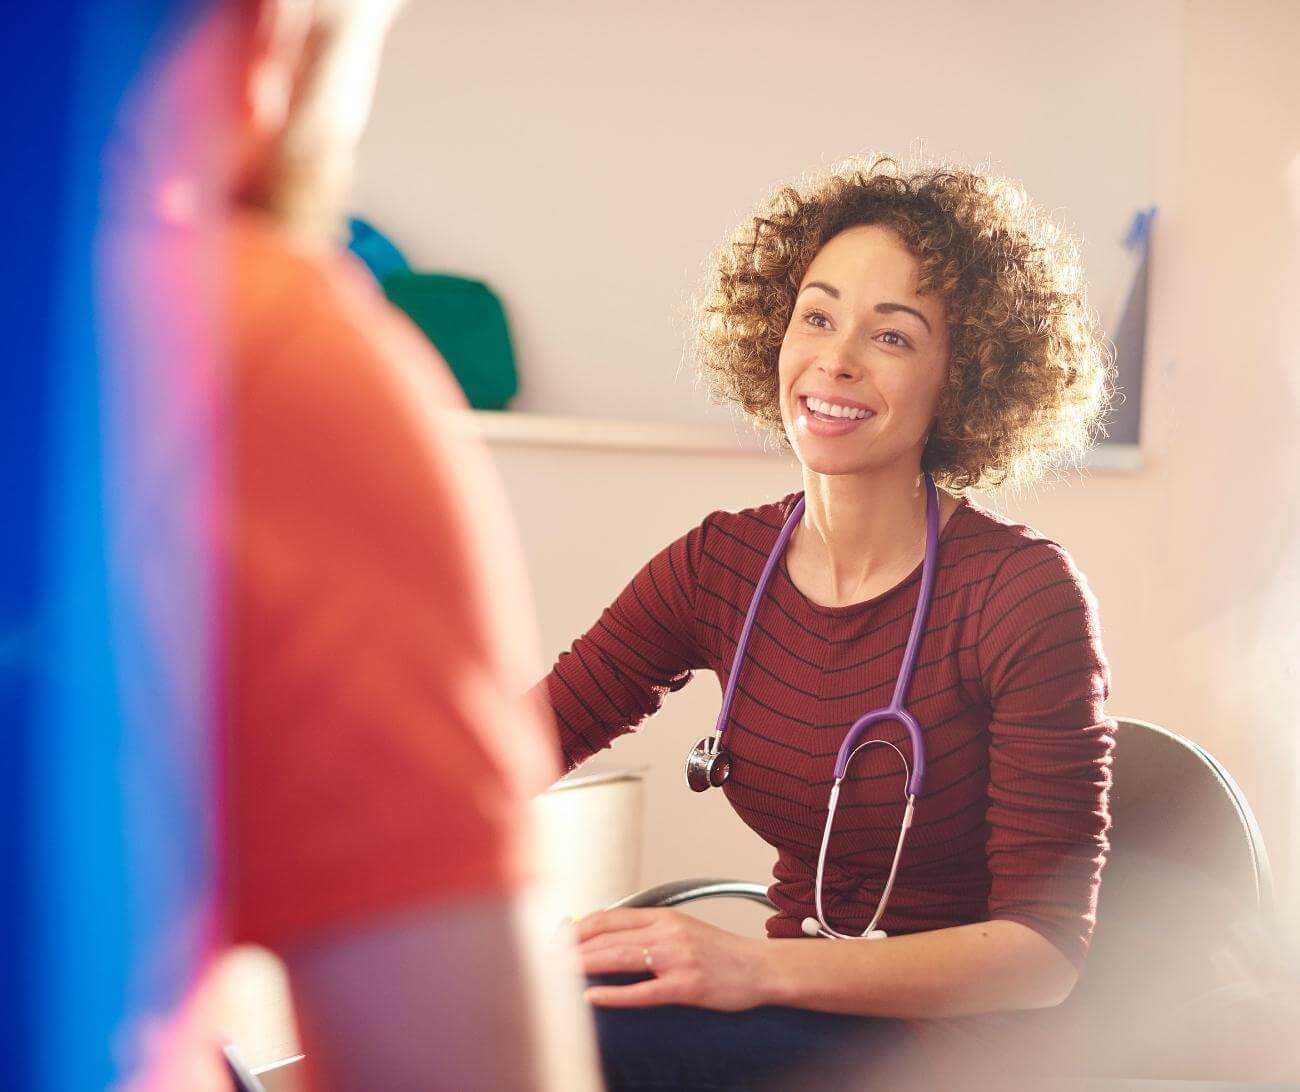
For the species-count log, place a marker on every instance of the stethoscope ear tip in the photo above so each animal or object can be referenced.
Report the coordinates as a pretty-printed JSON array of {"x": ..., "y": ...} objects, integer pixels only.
[{"x": 811, "y": 927}]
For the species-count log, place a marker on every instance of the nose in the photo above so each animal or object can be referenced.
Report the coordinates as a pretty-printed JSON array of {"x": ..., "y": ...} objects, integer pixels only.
[{"x": 838, "y": 362}]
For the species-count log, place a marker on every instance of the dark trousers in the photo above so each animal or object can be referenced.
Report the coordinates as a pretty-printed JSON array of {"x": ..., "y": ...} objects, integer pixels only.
[{"x": 770, "y": 1048}]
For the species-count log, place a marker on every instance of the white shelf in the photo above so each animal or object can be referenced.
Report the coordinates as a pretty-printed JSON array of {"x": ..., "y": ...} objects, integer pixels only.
[
  {"x": 536, "y": 429},
  {"x": 545, "y": 430},
  {"x": 1116, "y": 457}
]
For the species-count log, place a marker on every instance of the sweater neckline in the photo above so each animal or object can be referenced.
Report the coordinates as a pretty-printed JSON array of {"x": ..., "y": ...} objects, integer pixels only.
[{"x": 848, "y": 609}]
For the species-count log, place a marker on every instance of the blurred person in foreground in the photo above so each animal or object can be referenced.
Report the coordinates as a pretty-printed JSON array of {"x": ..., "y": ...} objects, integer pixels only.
[{"x": 376, "y": 760}]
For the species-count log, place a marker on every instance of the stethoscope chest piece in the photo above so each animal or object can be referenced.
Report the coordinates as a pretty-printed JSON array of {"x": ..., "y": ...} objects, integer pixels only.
[{"x": 706, "y": 766}]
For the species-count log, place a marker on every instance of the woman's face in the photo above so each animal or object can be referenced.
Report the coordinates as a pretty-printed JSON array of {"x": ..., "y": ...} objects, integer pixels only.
[{"x": 864, "y": 359}]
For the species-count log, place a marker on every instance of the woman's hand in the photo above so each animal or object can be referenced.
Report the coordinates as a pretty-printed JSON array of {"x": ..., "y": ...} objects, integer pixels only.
[{"x": 693, "y": 963}]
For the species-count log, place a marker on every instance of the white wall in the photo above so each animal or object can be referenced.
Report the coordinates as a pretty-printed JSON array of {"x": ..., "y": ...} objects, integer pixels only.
[
  {"x": 585, "y": 157},
  {"x": 1194, "y": 559}
]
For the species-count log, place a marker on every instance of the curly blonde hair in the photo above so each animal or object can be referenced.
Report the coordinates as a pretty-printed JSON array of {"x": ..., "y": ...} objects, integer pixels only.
[{"x": 1030, "y": 374}]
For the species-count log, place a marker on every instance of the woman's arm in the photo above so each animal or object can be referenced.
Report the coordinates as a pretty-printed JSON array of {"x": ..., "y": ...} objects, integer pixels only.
[
  {"x": 983, "y": 967},
  {"x": 643, "y": 646},
  {"x": 1046, "y": 679}
]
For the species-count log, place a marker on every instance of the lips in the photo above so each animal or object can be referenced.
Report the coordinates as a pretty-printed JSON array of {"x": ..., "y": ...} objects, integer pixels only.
[{"x": 825, "y": 425}]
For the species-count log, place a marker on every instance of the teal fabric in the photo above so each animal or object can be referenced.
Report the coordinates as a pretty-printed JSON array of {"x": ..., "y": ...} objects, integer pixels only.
[{"x": 467, "y": 325}]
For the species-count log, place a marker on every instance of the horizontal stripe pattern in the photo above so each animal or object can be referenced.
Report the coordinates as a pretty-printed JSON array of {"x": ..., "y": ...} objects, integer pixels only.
[{"x": 1010, "y": 691}]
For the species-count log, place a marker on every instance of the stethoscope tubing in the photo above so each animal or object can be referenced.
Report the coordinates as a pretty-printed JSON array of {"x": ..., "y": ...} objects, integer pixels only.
[{"x": 895, "y": 711}]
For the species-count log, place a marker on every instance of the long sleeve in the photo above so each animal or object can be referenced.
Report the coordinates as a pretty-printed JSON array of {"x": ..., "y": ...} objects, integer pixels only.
[
  {"x": 642, "y": 647},
  {"x": 1047, "y": 680}
]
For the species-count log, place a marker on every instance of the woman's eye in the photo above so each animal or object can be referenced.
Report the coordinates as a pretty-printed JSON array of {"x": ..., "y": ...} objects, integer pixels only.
[
  {"x": 901, "y": 342},
  {"x": 817, "y": 318}
]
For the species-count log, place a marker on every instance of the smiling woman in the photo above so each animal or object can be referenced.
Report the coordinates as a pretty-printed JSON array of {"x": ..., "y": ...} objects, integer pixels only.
[{"x": 900, "y": 333}]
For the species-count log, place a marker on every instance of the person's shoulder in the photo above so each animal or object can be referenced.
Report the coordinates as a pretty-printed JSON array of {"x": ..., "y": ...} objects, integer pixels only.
[
  {"x": 277, "y": 283},
  {"x": 1017, "y": 562},
  {"x": 746, "y": 530},
  {"x": 988, "y": 540},
  {"x": 318, "y": 313},
  {"x": 729, "y": 547},
  {"x": 349, "y": 403}
]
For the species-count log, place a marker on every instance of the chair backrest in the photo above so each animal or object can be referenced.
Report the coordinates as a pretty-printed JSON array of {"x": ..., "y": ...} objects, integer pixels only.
[
  {"x": 1173, "y": 803},
  {"x": 1185, "y": 908}
]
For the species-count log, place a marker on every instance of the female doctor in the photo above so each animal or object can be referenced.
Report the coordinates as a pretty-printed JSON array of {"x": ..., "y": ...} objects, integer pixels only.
[{"x": 914, "y": 686}]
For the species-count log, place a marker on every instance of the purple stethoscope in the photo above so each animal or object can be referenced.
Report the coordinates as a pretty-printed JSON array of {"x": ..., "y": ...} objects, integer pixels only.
[{"x": 708, "y": 765}]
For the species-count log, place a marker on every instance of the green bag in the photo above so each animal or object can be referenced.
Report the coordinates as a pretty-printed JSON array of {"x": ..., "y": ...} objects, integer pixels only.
[{"x": 467, "y": 325}]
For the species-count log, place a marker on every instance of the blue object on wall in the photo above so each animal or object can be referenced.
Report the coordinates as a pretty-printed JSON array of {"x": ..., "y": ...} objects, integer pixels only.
[
  {"x": 376, "y": 249},
  {"x": 1129, "y": 334}
]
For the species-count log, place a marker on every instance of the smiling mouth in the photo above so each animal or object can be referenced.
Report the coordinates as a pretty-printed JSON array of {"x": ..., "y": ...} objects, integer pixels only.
[{"x": 830, "y": 412}]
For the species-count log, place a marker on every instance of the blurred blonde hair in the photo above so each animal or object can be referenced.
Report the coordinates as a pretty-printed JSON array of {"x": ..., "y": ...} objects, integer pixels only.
[{"x": 305, "y": 183}]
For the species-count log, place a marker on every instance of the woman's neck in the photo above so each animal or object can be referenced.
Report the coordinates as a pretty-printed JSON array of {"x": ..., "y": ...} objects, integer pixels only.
[{"x": 859, "y": 528}]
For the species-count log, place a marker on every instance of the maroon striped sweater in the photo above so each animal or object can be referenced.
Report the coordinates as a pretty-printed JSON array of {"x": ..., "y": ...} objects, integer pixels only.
[{"x": 1009, "y": 691}]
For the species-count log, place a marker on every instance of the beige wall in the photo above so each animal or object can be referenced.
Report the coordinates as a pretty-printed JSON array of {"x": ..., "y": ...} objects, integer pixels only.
[
  {"x": 1213, "y": 648},
  {"x": 1194, "y": 558}
]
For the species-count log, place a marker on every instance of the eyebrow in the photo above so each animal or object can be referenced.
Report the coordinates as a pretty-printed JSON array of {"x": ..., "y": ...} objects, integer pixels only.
[{"x": 883, "y": 308}]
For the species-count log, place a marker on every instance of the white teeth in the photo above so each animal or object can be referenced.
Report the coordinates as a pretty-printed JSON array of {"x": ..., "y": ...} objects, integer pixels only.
[{"x": 830, "y": 410}]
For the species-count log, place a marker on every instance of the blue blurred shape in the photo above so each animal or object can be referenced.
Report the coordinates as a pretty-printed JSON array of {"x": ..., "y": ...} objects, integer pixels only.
[
  {"x": 376, "y": 249},
  {"x": 1129, "y": 333},
  {"x": 87, "y": 748}
]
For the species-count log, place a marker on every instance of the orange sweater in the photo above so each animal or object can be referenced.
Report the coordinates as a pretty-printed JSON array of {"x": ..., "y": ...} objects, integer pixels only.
[{"x": 377, "y": 626}]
